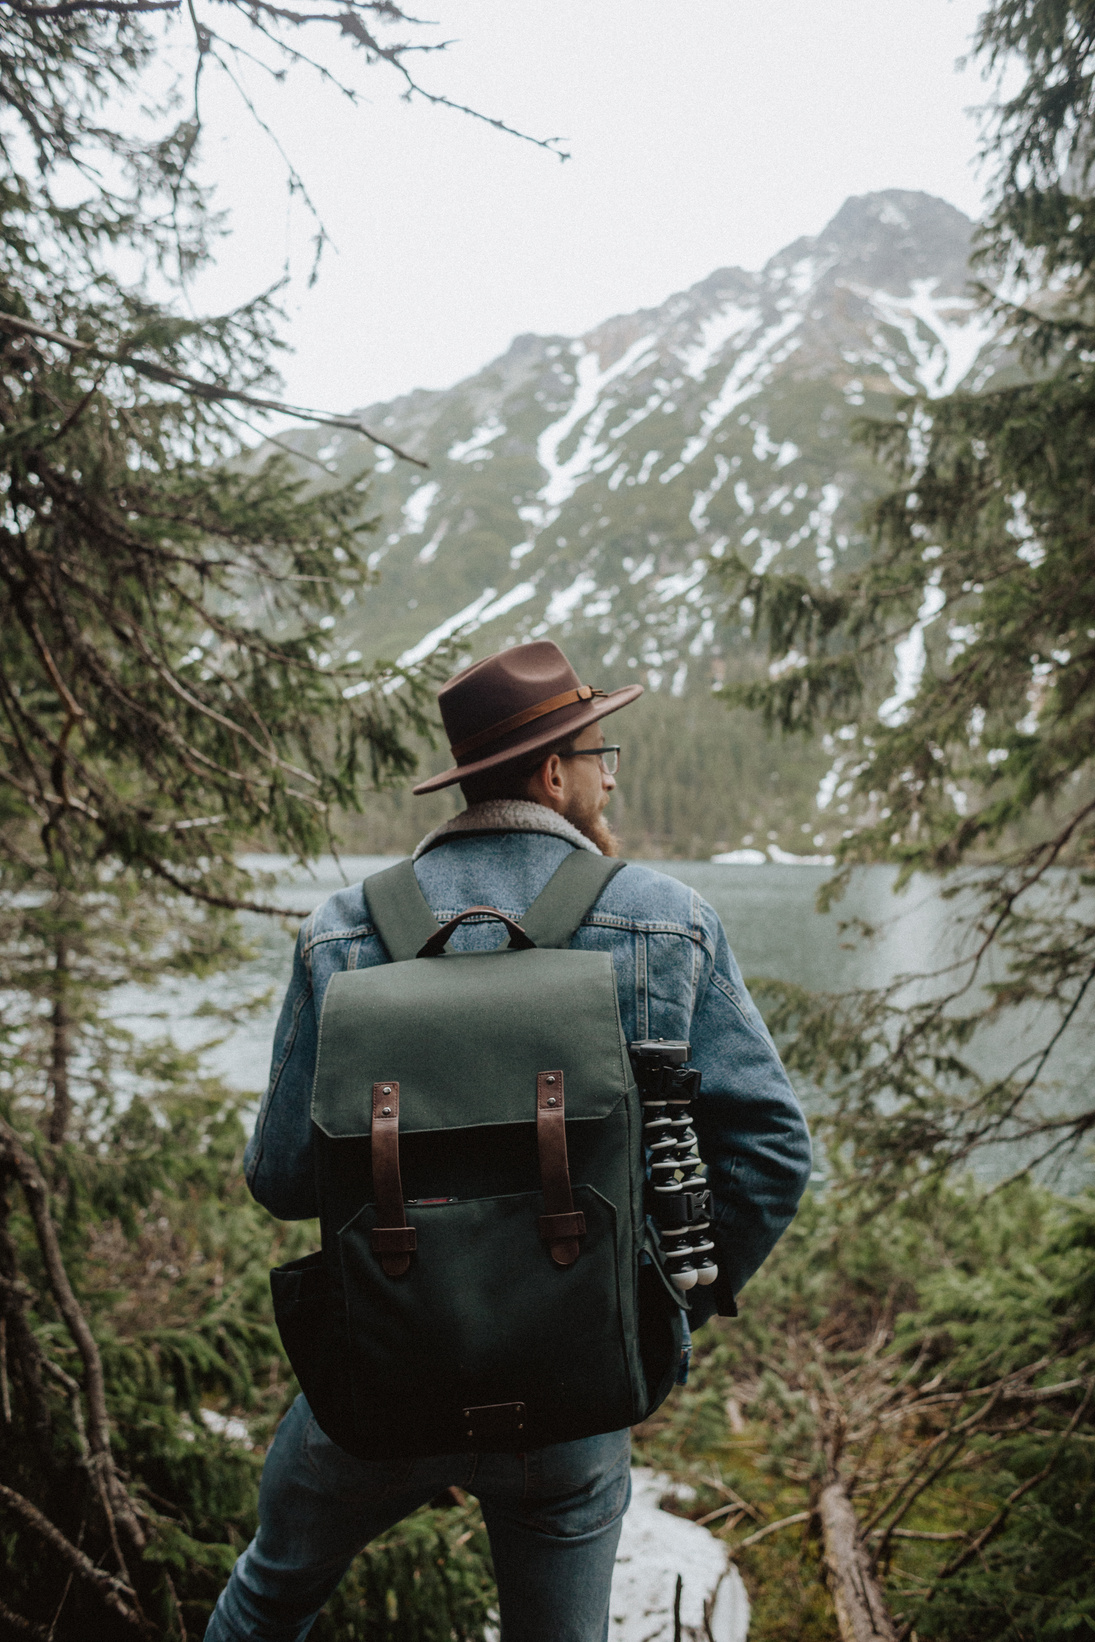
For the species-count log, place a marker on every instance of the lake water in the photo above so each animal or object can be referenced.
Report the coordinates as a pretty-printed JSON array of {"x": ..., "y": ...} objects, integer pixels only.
[{"x": 769, "y": 915}]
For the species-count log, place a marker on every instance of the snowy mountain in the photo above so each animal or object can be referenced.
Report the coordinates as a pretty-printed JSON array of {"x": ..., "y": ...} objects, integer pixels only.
[{"x": 583, "y": 486}]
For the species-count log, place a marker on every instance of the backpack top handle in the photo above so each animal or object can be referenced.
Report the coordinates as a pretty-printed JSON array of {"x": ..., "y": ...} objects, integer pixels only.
[
  {"x": 518, "y": 940},
  {"x": 400, "y": 914}
]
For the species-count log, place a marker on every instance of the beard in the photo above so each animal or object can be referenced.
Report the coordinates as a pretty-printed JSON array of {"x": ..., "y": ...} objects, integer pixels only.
[{"x": 590, "y": 820}]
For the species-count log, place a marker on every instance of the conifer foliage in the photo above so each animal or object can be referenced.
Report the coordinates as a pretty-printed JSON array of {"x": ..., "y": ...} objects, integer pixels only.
[
  {"x": 165, "y": 697},
  {"x": 978, "y": 759},
  {"x": 953, "y": 678}
]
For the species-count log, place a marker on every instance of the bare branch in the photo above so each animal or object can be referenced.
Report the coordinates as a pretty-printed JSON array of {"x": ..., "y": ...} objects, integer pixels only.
[
  {"x": 114, "y": 1593},
  {"x": 771, "y": 1528},
  {"x": 70, "y": 8}
]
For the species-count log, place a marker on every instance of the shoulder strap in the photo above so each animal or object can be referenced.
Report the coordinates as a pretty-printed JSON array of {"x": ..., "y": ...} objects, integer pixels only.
[
  {"x": 561, "y": 905},
  {"x": 399, "y": 910}
]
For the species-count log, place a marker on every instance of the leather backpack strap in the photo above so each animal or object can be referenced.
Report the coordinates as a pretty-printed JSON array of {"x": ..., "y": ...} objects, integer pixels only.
[
  {"x": 391, "y": 1238},
  {"x": 400, "y": 911},
  {"x": 554, "y": 916},
  {"x": 560, "y": 1226}
]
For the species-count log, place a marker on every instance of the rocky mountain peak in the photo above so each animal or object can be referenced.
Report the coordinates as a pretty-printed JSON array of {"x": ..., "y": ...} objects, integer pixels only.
[
  {"x": 586, "y": 486},
  {"x": 583, "y": 486}
]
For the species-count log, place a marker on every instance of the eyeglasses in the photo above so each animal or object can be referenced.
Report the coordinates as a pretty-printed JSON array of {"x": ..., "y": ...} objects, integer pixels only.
[{"x": 609, "y": 757}]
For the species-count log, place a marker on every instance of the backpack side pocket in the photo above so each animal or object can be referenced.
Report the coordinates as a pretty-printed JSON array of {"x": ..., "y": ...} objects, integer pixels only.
[{"x": 315, "y": 1342}]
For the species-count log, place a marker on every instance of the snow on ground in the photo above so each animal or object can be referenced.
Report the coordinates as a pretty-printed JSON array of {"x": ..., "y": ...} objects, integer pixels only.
[
  {"x": 781, "y": 858},
  {"x": 657, "y": 1549},
  {"x": 785, "y": 858}
]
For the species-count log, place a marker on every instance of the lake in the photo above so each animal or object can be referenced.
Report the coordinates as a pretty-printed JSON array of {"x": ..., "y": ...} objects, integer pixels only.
[{"x": 768, "y": 912}]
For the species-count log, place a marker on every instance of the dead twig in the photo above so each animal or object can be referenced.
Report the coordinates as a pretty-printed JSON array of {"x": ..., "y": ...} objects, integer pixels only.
[
  {"x": 117, "y": 1595},
  {"x": 771, "y": 1528}
]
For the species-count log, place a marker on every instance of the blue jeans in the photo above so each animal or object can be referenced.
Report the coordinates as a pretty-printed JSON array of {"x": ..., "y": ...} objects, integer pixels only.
[{"x": 553, "y": 1517}]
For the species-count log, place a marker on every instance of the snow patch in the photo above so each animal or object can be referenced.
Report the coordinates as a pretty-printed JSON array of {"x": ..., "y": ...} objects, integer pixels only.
[
  {"x": 566, "y": 600},
  {"x": 429, "y": 552},
  {"x": 701, "y": 501},
  {"x": 785, "y": 858},
  {"x": 643, "y": 474},
  {"x": 509, "y": 601},
  {"x": 564, "y": 477},
  {"x": 768, "y": 551},
  {"x": 675, "y": 586},
  {"x": 715, "y": 332},
  {"x": 910, "y": 657},
  {"x": 418, "y": 505},
  {"x": 892, "y": 216},
  {"x": 821, "y": 523},
  {"x": 750, "y": 373},
  {"x": 655, "y": 1550},
  {"x": 947, "y": 354},
  {"x": 803, "y": 275},
  {"x": 475, "y": 447},
  {"x": 741, "y": 858},
  {"x": 463, "y": 618}
]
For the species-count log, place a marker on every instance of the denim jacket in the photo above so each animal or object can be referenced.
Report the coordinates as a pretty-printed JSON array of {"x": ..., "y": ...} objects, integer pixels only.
[{"x": 676, "y": 978}]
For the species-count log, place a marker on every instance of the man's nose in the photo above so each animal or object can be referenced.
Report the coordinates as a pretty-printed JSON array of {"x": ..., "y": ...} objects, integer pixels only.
[{"x": 608, "y": 782}]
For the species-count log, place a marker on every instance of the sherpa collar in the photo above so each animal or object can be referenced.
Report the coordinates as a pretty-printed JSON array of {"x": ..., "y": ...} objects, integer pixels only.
[{"x": 507, "y": 815}]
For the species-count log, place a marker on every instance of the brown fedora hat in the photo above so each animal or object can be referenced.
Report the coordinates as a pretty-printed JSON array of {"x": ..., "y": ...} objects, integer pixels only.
[{"x": 513, "y": 704}]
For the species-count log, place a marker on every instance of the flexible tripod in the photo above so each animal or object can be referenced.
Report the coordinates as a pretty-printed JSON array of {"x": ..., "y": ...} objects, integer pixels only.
[{"x": 678, "y": 1196}]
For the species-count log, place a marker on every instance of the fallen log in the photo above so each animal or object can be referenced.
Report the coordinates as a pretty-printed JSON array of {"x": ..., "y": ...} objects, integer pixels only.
[{"x": 861, "y": 1611}]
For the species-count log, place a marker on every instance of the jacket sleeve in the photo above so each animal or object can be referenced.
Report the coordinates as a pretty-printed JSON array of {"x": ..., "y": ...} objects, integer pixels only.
[
  {"x": 278, "y": 1161},
  {"x": 752, "y": 1134}
]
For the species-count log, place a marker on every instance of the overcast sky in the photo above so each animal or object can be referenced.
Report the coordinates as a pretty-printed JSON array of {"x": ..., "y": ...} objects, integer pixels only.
[{"x": 702, "y": 133}]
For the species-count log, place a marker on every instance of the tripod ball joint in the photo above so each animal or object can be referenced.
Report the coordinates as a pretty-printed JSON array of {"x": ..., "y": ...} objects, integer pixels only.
[{"x": 678, "y": 1196}]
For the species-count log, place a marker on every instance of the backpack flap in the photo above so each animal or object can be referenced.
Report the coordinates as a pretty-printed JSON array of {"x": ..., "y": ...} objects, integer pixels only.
[{"x": 465, "y": 1036}]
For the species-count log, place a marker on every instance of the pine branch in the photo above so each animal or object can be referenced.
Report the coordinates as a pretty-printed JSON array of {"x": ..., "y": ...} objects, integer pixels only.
[{"x": 210, "y": 391}]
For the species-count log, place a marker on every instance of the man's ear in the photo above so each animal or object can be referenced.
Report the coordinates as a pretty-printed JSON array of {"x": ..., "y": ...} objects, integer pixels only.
[{"x": 546, "y": 785}]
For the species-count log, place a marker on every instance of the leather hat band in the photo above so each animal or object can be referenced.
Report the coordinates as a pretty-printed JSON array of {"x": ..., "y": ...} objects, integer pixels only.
[{"x": 584, "y": 692}]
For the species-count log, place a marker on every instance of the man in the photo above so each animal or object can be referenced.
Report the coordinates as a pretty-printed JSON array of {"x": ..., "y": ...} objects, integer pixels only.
[{"x": 531, "y": 760}]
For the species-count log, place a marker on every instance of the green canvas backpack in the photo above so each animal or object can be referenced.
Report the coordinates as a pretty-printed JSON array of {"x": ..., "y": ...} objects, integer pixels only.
[{"x": 480, "y": 1172}]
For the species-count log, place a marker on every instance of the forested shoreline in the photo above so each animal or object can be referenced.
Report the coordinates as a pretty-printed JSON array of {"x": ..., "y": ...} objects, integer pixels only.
[{"x": 898, "y": 1429}]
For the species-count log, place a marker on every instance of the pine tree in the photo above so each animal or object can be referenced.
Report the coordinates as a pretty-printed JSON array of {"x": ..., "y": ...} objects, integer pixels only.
[
  {"x": 167, "y": 698},
  {"x": 981, "y": 771},
  {"x": 984, "y": 572}
]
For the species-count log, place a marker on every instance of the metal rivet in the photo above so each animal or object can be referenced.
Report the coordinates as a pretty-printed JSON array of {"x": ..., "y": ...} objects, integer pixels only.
[
  {"x": 387, "y": 1089},
  {"x": 549, "y": 1080},
  {"x": 551, "y": 1100},
  {"x": 387, "y": 1112}
]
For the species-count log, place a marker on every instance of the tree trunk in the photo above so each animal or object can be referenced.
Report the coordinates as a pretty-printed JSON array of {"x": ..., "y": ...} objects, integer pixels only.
[
  {"x": 61, "y": 1050},
  {"x": 20, "y": 1347},
  {"x": 861, "y": 1610}
]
